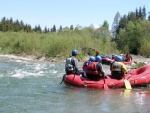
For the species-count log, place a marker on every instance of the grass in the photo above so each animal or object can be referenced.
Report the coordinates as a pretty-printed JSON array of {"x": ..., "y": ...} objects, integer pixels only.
[{"x": 140, "y": 64}]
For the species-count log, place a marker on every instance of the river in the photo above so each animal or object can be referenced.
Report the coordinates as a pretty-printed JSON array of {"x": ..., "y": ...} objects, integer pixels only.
[{"x": 34, "y": 87}]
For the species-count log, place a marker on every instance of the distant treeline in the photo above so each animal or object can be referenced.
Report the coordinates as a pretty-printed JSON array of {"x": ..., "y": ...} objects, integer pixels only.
[
  {"x": 131, "y": 36},
  {"x": 7, "y": 25},
  {"x": 16, "y": 26}
]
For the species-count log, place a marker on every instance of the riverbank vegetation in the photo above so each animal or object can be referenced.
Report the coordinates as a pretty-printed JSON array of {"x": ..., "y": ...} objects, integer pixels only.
[
  {"x": 56, "y": 44},
  {"x": 140, "y": 64},
  {"x": 131, "y": 35}
]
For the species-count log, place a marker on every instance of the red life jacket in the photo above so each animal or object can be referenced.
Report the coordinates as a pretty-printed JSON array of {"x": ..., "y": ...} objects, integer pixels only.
[
  {"x": 85, "y": 66},
  {"x": 128, "y": 58},
  {"x": 92, "y": 69}
]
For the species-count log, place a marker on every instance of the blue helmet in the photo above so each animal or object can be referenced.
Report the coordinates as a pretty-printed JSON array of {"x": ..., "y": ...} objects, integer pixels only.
[
  {"x": 122, "y": 57},
  {"x": 92, "y": 58},
  {"x": 119, "y": 58},
  {"x": 74, "y": 52},
  {"x": 98, "y": 58}
]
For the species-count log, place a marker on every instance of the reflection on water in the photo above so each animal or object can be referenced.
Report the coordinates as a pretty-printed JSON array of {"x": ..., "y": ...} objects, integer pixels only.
[
  {"x": 142, "y": 103},
  {"x": 113, "y": 101}
]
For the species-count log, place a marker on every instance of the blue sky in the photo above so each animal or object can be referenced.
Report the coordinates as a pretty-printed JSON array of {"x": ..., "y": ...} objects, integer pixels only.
[{"x": 68, "y": 12}]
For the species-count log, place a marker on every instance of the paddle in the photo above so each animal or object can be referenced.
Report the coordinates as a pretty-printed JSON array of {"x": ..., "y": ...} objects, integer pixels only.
[
  {"x": 63, "y": 79},
  {"x": 105, "y": 85},
  {"x": 127, "y": 84}
]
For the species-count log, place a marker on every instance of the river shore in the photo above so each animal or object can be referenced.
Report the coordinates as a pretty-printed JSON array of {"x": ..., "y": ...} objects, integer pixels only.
[
  {"x": 31, "y": 58},
  {"x": 58, "y": 59}
]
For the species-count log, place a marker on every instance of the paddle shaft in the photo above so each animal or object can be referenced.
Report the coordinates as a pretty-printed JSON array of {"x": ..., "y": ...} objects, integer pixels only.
[
  {"x": 105, "y": 85},
  {"x": 63, "y": 79}
]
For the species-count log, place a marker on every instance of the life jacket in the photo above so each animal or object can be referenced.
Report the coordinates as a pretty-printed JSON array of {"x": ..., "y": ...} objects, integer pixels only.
[
  {"x": 128, "y": 58},
  {"x": 85, "y": 65},
  {"x": 116, "y": 67},
  {"x": 69, "y": 66},
  {"x": 92, "y": 69}
]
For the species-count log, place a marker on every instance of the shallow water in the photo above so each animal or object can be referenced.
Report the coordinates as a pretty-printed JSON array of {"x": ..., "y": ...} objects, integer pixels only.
[{"x": 34, "y": 87}]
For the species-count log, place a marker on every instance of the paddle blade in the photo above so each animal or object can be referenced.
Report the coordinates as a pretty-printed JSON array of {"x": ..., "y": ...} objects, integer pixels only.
[
  {"x": 127, "y": 84},
  {"x": 106, "y": 87}
]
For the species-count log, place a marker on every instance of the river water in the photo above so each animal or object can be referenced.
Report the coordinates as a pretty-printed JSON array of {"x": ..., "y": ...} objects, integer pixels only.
[{"x": 34, "y": 87}]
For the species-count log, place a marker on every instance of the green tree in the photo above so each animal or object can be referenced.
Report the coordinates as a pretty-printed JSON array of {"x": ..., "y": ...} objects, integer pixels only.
[
  {"x": 122, "y": 23},
  {"x": 3, "y": 25},
  {"x": 28, "y": 28},
  {"x": 71, "y": 27},
  {"x": 132, "y": 16},
  {"x": 45, "y": 30},
  {"x": 106, "y": 25},
  {"x": 54, "y": 28},
  {"x": 140, "y": 13},
  {"x": 16, "y": 26},
  {"x": 22, "y": 25},
  {"x": 137, "y": 13},
  {"x": 144, "y": 13}
]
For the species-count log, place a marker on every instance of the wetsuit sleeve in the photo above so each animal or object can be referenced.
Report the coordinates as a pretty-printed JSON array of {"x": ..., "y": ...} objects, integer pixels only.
[
  {"x": 100, "y": 68},
  {"x": 111, "y": 66},
  {"x": 75, "y": 64},
  {"x": 124, "y": 68}
]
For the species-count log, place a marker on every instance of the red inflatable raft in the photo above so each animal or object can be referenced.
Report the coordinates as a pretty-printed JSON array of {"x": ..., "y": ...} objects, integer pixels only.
[
  {"x": 140, "y": 76},
  {"x": 108, "y": 61}
]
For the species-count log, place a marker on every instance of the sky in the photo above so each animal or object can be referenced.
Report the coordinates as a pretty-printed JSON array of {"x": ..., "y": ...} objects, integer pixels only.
[{"x": 47, "y": 13}]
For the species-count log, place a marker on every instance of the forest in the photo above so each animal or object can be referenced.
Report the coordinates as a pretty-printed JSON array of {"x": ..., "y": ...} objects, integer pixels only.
[{"x": 129, "y": 34}]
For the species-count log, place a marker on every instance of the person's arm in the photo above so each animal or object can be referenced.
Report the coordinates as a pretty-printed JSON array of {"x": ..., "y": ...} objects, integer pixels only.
[
  {"x": 100, "y": 69},
  {"x": 124, "y": 68},
  {"x": 75, "y": 64},
  {"x": 110, "y": 66}
]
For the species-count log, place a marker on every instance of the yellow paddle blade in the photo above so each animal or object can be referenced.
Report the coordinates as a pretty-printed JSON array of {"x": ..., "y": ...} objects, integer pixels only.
[
  {"x": 106, "y": 87},
  {"x": 127, "y": 84},
  {"x": 127, "y": 93}
]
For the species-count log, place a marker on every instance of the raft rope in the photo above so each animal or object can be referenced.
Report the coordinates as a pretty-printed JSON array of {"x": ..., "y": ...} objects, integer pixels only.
[{"x": 73, "y": 77}]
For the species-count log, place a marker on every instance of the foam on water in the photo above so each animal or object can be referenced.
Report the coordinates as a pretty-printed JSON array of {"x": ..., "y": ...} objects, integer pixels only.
[
  {"x": 22, "y": 74},
  {"x": 22, "y": 68}
]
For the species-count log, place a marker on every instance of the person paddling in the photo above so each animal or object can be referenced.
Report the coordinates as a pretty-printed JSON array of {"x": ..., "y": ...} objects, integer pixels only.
[{"x": 117, "y": 68}]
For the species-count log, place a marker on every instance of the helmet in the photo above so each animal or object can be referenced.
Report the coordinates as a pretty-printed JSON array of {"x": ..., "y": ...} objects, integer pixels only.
[
  {"x": 74, "y": 52},
  {"x": 92, "y": 58},
  {"x": 98, "y": 58},
  {"x": 122, "y": 57},
  {"x": 118, "y": 58}
]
